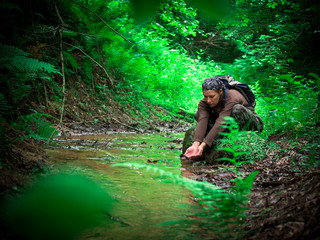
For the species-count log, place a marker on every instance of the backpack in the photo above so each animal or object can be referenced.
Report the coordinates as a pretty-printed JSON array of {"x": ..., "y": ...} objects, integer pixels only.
[{"x": 243, "y": 88}]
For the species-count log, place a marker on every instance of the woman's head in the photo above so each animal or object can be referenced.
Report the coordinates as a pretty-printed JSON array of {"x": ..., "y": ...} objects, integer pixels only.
[
  {"x": 213, "y": 90},
  {"x": 213, "y": 83}
]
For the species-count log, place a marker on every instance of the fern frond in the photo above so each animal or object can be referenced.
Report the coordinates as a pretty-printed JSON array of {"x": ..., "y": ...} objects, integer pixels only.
[
  {"x": 191, "y": 184},
  {"x": 28, "y": 65},
  {"x": 15, "y": 59},
  {"x": 36, "y": 126},
  {"x": 21, "y": 92},
  {"x": 221, "y": 208},
  {"x": 7, "y": 51},
  {"x": 45, "y": 128},
  {"x": 71, "y": 60}
]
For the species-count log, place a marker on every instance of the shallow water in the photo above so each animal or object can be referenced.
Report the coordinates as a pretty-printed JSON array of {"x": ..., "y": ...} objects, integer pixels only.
[{"x": 142, "y": 202}]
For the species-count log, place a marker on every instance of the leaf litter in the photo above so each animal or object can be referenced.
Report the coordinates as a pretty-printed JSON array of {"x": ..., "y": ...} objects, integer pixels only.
[{"x": 285, "y": 198}]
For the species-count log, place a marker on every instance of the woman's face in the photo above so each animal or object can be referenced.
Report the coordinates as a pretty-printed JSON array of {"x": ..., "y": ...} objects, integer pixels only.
[{"x": 212, "y": 97}]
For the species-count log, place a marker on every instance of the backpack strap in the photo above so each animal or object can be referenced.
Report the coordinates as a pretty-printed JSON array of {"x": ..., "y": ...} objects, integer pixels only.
[{"x": 225, "y": 97}]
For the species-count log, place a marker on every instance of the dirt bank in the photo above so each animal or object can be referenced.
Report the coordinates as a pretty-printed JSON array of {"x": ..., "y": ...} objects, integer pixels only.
[
  {"x": 285, "y": 198},
  {"x": 22, "y": 159}
]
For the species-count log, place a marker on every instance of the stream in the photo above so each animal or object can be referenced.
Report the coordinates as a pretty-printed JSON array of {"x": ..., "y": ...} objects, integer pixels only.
[{"x": 143, "y": 204}]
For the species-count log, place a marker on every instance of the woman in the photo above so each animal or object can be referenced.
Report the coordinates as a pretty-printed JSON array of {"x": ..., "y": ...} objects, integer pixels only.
[{"x": 217, "y": 104}]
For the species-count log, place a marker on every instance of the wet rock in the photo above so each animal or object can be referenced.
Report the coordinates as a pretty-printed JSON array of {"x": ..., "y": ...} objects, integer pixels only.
[
  {"x": 177, "y": 141},
  {"x": 188, "y": 139},
  {"x": 202, "y": 178},
  {"x": 197, "y": 163},
  {"x": 152, "y": 161}
]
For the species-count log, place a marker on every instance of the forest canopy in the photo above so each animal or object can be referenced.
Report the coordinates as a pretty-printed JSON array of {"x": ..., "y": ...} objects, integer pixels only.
[{"x": 143, "y": 54}]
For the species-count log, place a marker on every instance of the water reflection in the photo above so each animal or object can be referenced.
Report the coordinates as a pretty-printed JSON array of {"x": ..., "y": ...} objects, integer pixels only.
[{"x": 143, "y": 202}]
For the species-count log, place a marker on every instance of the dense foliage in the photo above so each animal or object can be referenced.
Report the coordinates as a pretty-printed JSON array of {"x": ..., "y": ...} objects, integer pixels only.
[{"x": 162, "y": 61}]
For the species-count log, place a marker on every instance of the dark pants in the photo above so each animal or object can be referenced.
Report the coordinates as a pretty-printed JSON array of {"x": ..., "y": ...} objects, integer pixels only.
[{"x": 245, "y": 118}]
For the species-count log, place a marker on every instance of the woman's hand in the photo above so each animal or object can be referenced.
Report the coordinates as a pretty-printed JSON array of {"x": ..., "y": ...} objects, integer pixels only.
[{"x": 195, "y": 150}]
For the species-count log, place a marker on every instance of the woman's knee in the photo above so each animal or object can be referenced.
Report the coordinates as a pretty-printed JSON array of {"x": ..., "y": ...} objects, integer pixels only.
[
  {"x": 239, "y": 110},
  {"x": 245, "y": 118}
]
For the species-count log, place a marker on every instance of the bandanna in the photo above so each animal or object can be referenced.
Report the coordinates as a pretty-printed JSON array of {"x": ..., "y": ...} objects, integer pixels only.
[{"x": 213, "y": 83}]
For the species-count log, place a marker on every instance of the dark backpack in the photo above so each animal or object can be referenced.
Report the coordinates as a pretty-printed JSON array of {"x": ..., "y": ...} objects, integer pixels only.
[{"x": 243, "y": 88}]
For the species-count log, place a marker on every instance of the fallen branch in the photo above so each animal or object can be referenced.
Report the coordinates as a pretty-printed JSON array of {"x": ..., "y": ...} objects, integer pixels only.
[
  {"x": 60, "y": 30},
  {"x": 59, "y": 16},
  {"x": 103, "y": 68},
  {"x": 63, "y": 76},
  {"x": 84, "y": 34}
]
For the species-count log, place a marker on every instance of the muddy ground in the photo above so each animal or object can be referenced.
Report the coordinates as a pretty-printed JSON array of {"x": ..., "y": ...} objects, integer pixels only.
[{"x": 284, "y": 202}]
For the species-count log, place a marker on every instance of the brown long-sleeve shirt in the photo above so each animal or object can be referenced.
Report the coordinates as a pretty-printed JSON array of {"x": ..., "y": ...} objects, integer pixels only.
[{"x": 233, "y": 97}]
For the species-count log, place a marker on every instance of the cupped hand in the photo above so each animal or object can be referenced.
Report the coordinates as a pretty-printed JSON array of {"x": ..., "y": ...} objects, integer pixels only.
[{"x": 193, "y": 152}]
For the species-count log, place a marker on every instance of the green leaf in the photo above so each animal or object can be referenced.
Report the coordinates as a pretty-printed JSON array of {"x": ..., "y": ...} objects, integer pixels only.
[
  {"x": 317, "y": 79},
  {"x": 226, "y": 159},
  {"x": 228, "y": 149},
  {"x": 244, "y": 185}
]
